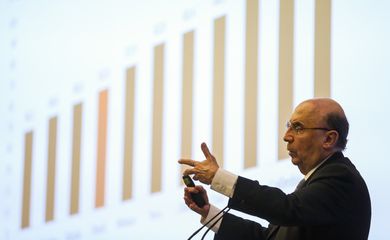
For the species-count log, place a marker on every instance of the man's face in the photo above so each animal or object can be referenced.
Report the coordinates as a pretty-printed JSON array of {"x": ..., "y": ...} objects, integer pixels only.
[{"x": 305, "y": 146}]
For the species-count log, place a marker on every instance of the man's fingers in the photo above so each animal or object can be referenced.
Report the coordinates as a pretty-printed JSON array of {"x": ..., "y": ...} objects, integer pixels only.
[
  {"x": 190, "y": 203},
  {"x": 200, "y": 188},
  {"x": 206, "y": 151},
  {"x": 188, "y": 162},
  {"x": 187, "y": 201},
  {"x": 190, "y": 171},
  {"x": 195, "y": 189}
]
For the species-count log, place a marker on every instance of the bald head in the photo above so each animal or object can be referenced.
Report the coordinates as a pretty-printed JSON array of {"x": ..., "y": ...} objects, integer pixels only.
[
  {"x": 325, "y": 106},
  {"x": 328, "y": 112}
]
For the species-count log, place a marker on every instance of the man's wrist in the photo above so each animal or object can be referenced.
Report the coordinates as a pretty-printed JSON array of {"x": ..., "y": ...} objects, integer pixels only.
[
  {"x": 211, "y": 213},
  {"x": 224, "y": 182},
  {"x": 205, "y": 214}
]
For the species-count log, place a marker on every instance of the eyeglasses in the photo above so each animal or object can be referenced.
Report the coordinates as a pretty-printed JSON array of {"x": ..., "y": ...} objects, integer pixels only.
[{"x": 298, "y": 127}]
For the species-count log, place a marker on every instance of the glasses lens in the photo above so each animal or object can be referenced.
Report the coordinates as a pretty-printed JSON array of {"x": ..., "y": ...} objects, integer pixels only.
[{"x": 295, "y": 126}]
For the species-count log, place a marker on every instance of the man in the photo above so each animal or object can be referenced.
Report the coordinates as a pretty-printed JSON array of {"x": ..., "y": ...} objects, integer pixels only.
[{"x": 331, "y": 203}]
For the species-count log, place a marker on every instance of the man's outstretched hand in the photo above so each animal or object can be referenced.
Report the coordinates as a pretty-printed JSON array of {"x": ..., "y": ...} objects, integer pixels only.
[{"x": 203, "y": 171}]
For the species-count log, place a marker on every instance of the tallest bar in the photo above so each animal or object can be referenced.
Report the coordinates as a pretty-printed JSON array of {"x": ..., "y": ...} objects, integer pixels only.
[
  {"x": 322, "y": 48},
  {"x": 251, "y": 79}
]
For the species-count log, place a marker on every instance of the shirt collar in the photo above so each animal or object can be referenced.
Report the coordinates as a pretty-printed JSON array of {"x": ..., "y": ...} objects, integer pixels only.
[{"x": 315, "y": 168}]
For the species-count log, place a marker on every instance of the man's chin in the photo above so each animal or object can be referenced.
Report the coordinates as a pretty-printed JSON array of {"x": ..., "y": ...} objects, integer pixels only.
[{"x": 295, "y": 161}]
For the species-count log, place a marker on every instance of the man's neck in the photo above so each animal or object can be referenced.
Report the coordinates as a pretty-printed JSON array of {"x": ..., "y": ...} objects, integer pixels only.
[{"x": 307, "y": 175}]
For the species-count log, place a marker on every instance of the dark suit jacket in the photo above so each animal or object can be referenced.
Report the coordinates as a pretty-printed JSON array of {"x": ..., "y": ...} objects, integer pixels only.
[{"x": 332, "y": 204}]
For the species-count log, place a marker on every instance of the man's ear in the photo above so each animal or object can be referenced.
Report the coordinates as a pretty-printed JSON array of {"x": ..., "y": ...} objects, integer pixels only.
[{"x": 331, "y": 139}]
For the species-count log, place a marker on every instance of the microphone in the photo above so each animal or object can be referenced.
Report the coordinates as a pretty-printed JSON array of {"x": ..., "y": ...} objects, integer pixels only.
[
  {"x": 209, "y": 221},
  {"x": 216, "y": 221}
]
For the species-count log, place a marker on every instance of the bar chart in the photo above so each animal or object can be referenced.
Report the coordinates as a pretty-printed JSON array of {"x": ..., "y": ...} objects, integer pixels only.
[{"x": 116, "y": 133}]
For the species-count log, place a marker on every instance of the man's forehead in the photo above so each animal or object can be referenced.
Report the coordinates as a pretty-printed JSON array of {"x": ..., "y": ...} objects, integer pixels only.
[
  {"x": 304, "y": 112},
  {"x": 304, "y": 108}
]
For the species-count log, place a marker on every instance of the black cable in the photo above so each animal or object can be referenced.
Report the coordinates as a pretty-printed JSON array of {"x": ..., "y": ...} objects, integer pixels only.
[
  {"x": 216, "y": 215},
  {"x": 216, "y": 221}
]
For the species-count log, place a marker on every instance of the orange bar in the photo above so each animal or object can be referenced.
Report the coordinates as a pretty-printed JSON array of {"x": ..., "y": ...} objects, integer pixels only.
[
  {"x": 28, "y": 143},
  {"x": 219, "y": 88},
  {"x": 129, "y": 135},
  {"x": 76, "y": 151},
  {"x": 101, "y": 148},
  {"x": 286, "y": 64},
  {"x": 251, "y": 78},
  {"x": 51, "y": 169}
]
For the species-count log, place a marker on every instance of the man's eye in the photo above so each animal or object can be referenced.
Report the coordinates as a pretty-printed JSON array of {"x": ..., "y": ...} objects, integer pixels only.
[{"x": 297, "y": 127}]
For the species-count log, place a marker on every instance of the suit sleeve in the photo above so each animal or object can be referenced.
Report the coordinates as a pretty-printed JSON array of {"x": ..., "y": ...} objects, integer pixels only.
[
  {"x": 326, "y": 199},
  {"x": 233, "y": 228}
]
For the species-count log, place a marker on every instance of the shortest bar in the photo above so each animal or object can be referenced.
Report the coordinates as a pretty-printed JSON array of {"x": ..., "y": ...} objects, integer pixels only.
[{"x": 26, "y": 201}]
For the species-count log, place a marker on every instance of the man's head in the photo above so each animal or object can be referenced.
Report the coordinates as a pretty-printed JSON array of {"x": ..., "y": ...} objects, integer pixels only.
[{"x": 317, "y": 128}]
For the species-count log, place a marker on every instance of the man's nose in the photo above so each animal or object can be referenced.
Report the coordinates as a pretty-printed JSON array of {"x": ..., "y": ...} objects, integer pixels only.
[{"x": 288, "y": 136}]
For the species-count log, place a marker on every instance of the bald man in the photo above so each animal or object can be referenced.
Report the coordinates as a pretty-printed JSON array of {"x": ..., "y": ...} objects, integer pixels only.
[{"x": 331, "y": 202}]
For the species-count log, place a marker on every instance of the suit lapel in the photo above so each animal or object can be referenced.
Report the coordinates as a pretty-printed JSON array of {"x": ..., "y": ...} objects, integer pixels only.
[
  {"x": 300, "y": 185},
  {"x": 272, "y": 230}
]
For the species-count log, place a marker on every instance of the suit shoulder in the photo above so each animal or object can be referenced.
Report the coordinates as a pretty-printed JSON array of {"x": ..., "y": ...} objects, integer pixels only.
[{"x": 342, "y": 169}]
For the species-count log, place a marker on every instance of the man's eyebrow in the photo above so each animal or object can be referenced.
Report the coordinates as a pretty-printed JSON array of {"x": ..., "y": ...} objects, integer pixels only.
[{"x": 296, "y": 122}]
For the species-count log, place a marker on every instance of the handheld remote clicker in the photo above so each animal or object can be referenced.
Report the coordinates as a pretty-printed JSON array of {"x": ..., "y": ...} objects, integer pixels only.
[{"x": 196, "y": 197}]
